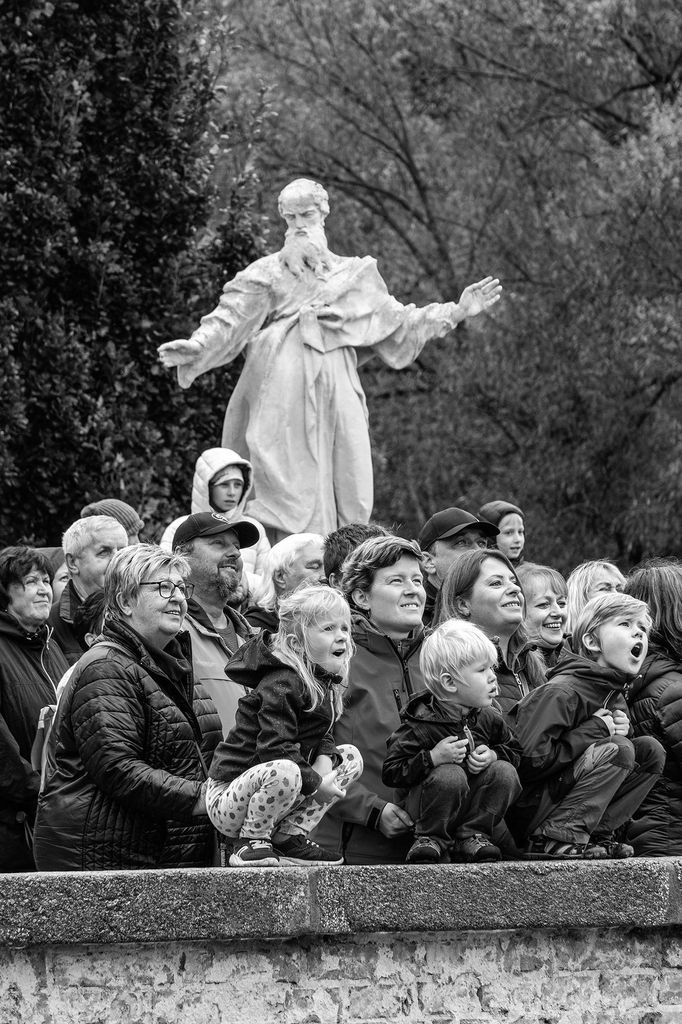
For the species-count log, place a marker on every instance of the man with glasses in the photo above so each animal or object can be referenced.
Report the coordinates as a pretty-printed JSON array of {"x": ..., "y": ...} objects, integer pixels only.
[{"x": 212, "y": 545}]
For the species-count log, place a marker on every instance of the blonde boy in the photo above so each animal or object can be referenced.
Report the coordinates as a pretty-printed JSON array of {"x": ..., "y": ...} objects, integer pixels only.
[
  {"x": 453, "y": 759},
  {"x": 583, "y": 775}
]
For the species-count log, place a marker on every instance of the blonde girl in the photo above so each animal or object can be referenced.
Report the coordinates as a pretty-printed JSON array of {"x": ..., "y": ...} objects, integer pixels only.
[{"x": 279, "y": 770}]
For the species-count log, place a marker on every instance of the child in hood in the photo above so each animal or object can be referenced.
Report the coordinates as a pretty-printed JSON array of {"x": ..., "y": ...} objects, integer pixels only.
[
  {"x": 453, "y": 758},
  {"x": 583, "y": 774}
]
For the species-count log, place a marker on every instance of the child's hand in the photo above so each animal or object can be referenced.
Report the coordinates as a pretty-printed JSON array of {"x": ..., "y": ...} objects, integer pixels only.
[
  {"x": 621, "y": 722},
  {"x": 449, "y": 751},
  {"x": 607, "y": 719},
  {"x": 480, "y": 759},
  {"x": 394, "y": 821},
  {"x": 328, "y": 790}
]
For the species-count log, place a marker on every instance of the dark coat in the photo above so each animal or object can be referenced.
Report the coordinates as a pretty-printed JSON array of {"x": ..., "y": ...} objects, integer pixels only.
[
  {"x": 656, "y": 710},
  {"x": 384, "y": 675},
  {"x": 61, "y": 620},
  {"x": 31, "y": 666},
  {"x": 274, "y": 720},
  {"x": 522, "y": 672},
  {"x": 425, "y": 722},
  {"x": 130, "y": 745}
]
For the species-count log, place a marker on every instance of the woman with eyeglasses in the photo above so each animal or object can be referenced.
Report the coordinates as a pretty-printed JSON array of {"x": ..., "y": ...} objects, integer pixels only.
[{"x": 133, "y": 736}]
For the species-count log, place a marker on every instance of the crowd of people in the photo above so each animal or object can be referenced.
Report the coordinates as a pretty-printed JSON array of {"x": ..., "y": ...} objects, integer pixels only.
[{"x": 358, "y": 698}]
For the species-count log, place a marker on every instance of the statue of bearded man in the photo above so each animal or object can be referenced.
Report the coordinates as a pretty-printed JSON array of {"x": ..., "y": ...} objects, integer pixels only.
[{"x": 307, "y": 318}]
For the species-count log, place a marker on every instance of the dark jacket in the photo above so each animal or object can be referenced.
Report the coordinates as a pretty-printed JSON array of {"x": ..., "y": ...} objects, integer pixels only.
[
  {"x": 274, "y": 721},
  {"x": 31, "y": 666},
  {"x": 61, "y": 620},
  {"x": 656, "y": 710},
  {"x": 262, "y": 618},
  {"x": 555, "y": 724},
  {"x": 127, "y": 756},
  {"x": 384, "y": 675},
  {"x": 522, "y": 672},
  {"x": 425, "y": 722}
]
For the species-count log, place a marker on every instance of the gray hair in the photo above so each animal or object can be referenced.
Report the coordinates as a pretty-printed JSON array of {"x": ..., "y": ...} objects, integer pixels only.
[
  {"x": 280, "y": 558},
  {"x": 135, "y": 565},
  {"x": 82, "y": 533}
]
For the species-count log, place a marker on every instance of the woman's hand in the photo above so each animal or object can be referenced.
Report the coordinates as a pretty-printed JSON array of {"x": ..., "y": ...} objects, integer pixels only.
[{"x": 394, "y": 821}]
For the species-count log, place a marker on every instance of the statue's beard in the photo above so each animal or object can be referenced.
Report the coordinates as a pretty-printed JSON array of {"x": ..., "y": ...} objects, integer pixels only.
[{"x": 306, "y": 253}]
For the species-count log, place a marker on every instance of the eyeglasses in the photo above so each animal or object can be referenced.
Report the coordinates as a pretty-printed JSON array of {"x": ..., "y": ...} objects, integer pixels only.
[{"x": 167, "y": 588}]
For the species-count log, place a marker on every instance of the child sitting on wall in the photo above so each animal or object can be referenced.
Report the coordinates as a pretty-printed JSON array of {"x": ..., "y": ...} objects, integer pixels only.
[
  {"x": 453, "y": 758},
  {"x": 583, "y": 776}
]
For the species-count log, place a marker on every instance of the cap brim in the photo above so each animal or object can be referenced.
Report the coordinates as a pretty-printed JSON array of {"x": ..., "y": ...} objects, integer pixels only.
[{"x": 487, "y": 529}]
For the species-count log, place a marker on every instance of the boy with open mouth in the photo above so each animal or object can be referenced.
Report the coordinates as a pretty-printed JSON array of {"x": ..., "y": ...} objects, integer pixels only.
[{"x": 584, "y": 774}]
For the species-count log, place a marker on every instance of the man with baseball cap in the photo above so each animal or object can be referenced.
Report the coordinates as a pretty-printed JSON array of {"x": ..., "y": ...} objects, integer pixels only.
[
  {"x": 211, "y": 544},
  {"x": 444, "y": 536}
]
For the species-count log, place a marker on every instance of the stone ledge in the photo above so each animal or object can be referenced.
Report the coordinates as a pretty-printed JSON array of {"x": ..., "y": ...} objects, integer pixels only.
[{"x": 162, "y": 906}]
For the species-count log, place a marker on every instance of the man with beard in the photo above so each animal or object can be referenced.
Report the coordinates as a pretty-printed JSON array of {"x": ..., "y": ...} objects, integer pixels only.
[
  {"x": 211, "y": 544},
  {"x": 307, "y": 318}
]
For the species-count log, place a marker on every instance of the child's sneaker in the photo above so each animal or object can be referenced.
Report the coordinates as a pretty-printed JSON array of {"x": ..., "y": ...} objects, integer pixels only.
[
  {"x": 253, "y": 853},
  {"x": 541, "y": 847},
  {"x": 476, "y": 849},
  {"x": 298, "y": 849},
  {"x": 612, "y": 847},
  {"x": 424, "y": 850}
]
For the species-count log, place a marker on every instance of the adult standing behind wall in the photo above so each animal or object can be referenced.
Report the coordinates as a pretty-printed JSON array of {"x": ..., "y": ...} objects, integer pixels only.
[
  {"x": 306, "y": 317},
  {"x": 30, "y": 668}
]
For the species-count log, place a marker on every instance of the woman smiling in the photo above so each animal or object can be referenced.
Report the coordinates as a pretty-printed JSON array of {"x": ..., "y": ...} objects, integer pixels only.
[
  {"x": 483, "y": 588},
  {"x": 545, "y": 620},
  {"x": 133, "y": 736}
]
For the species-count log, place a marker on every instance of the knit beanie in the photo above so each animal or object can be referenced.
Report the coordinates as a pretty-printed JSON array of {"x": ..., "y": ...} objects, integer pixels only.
[
  {"x": 494, "y": 511},
  {"x": 118, "y": 510}
]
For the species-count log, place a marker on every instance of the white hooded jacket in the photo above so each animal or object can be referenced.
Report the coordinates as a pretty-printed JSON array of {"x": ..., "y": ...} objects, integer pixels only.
[{"x": 210, "y": 462}]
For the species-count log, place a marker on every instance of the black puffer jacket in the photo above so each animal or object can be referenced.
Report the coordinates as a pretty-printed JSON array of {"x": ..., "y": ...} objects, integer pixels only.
[
  {"x": 274, "y": 720},
  {"x": 656, "y": 710},
  {"x": 30, "y": 668},
  {"x": 128, "y": 752}
]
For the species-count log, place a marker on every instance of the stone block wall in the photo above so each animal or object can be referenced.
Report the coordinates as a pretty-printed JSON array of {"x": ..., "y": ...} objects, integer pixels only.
[{"x": 531, "y": 944}]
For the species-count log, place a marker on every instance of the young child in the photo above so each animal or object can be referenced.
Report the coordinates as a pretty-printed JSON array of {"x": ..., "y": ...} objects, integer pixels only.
[
  {"x": 279, "y": 771},
  {"x": 583, "y": 777},
  {"x": 453, "y": 758}
]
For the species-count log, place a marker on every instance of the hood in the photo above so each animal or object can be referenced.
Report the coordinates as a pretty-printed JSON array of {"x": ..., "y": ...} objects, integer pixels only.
[
  {"x": 656, "y": 664},
  {"x": 423, "y": 707},
  {"x": 253, "y": 660},
  {"x": 577, "y": 667},
  {"x": 208, "y": 464},
  {"x": 11, "y": 630},
  {"x": 365, "y": 634}
]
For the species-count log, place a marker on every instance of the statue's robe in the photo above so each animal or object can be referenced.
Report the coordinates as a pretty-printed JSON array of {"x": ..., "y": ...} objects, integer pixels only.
[{"x": 298, "y": 412}]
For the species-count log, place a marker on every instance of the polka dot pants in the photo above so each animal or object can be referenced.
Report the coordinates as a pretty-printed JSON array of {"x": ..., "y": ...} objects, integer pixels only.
[{"x": 269, "y": 795}]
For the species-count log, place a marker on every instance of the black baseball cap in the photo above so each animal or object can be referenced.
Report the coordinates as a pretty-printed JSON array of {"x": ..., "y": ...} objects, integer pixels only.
[
  {"x": 208, "y": 524},
  {"x": 450, "y": 522}
]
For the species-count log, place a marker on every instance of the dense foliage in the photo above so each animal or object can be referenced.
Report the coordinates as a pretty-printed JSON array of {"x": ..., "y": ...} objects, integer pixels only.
[
  {"x": 540, "y": 142},
  {"x": 106, "y": 150}
]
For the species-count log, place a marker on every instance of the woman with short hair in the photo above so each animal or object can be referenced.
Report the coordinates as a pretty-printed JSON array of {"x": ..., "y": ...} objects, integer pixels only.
[
  {"x": 133, "y": 736},
  {"x": 382, "y": 582},
  {"x": 31, "y": 665}
]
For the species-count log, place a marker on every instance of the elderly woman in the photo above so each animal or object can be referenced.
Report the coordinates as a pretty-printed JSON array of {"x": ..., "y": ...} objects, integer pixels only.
[
  {"x": 30, "y": 668},
  {"x": 382, "y": 582},
  {"x": 133, "y": 736},
  {"x": 297, "y": 559}
]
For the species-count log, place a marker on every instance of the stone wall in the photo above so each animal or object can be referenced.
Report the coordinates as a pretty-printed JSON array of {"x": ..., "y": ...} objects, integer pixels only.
[{"x": 532, "y": 943}]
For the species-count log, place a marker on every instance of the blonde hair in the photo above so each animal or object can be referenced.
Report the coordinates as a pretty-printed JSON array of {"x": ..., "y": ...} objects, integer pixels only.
[
  {"x": 135, "y": 565},
  {"x": 311, "y": 606},
  {"x": 578, "y": 587},
  {"x": 451, "y": 647},
  {"x": 600, "y": 610}
]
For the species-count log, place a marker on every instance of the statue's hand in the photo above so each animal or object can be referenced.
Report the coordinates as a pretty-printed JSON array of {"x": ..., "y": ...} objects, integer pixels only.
[
  {"x": 179, "y": 353},
  {"x": 480, "y": 296}
]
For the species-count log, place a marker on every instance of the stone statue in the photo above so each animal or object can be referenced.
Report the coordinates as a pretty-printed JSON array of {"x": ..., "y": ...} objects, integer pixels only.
[{"x": 307, "y": 318}]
